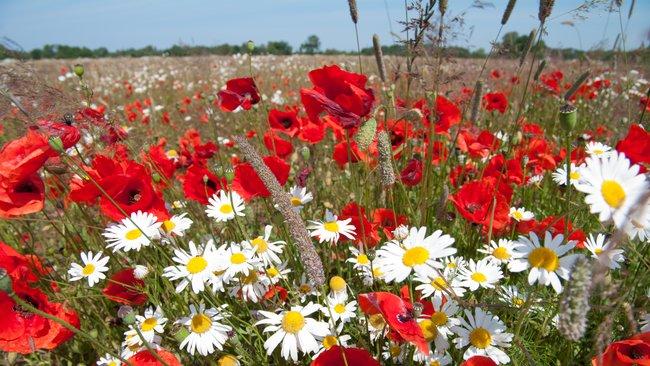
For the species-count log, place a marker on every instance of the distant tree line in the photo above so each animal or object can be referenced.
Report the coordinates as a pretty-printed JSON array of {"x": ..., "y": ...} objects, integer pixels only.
[{"x": 512, "y": 45}]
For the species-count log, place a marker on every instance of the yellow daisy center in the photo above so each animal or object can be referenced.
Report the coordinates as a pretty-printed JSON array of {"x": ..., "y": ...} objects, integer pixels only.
[
  {"x": 292, "y": 322},
  {"x": 272, "y": 272},
  {"x": 439, "y": 318},
  {"x": 480, "y": 338},
  {"x": 201, "y": 323},
  {"x": 376, "y": 272},
  {"x": 237, "y": 258},
  {"x": 168, "y": 226},
  {"x": 478, "y": 277},
  {"x": 452, "y": 265},
  {"x": 544, "y": 258},
  {"x": 228, "y": 360},
  {"x": 377, "y": 321},
  {"x": 574, "y": 175},
  {"x": 517, "y": 215},
  {"x": 252, "y": 277},
  {"x": 133, "y": 234},
  {"x": 331, "y": 226},
  {"x": 434, "y": 363},
  {"x": 362, "y": 259},
  {"x": 613, "y": 193},
  {"x": 518, "y": 301},
  {"x": 395, "y": 350},
  {"x": 196, "y": 264},
  {"x": 304, "y": 288},
  {"x": 226, "y": 208},
  {"x": 112, "y": 363},
  {"x": 599, "y": 151},
  {"x": 261, "y": 244},
  {"x": 172, "y": 153},
  {"x": 337, "y": 283},
  {"x": 88, "y": 269},
  {"x": 339, "y": 308},
  {"x": 439, "y": 283},
  {"x": 415, "y": 256},
  {"x": 501, "y": 253},
  {"x": 295, "y": 201},
  {"x": 329, "y": 342},
  {"x": 429, "y": 330},
  {"x": 597, "y": 251},
  {"x": 148, "y": 324}
]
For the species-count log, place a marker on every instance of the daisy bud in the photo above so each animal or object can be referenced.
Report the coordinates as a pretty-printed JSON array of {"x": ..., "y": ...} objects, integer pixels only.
[
  {"x": 366, "y": 134},
  {"x": 574, "y": 305},
  {"x": 337, "y": 284},
  {"x": 250, "y": 46},
  {"x": 305, "y": 152},
  {"x": 78, "y": 70},
  {"x": 568, "y": 117},
  {"x": 401, "y": 232},
  {"x": 56, "y": 144},
  {"x": 228, "y": 360},
  {"x": 140, "y": 272},
  {"x": 5, "y": 282}
]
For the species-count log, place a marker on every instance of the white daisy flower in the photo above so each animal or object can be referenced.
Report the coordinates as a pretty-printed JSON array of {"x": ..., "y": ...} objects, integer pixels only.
[
  {"x": 442, "y": 320},
  {"x": 499, "y": 252},
  {"x": 331, "y": 229},
  {"x": 251, "y": 287},
  {"x": 277, "y": 273},
  {"x": 453, "y": 264},
  {"x": 639, "y": 223},
  {"x": 140, "y": 271},
  {"x": 521, "y": 214},
  {"x": 194, "y": 268},
  {"x": 294, "y": 329},
  {"x": 109, "y": 360},
  {"x": 306, "y": 288},
  {"x": 339, "y": 309},
  {"x": 547, "y": 263},
  {"x": 332, "y": 340},
  {"x": 132, "y": 233},
  {"x": 206, "y": 332},
  {"x": 237, "y": 259},
  {"x": 360, "y": 260},
  {"x": 484, "y": 333},
  {"x": 176, "y": 225},
  {"x": 559, "y": 175},
  {"x": 94, "y": 266},
  {"x": 433, "y": 358},
  {"x": 416, "y": 253},
  {"x": 613, "y": 186},
  {"x": 645, "y": 323},
  {"x": 151, "y": 323},
  {"x": 401, "y": 232},
  {"x": 484, "y": 273},
  {"x": 299, "y": 197},
  {"x": 535, "y": 179},
  {"x": 439, "y": 286},
  {"x": 600, "y": 250},
  {"x": 396, "y": 352},
  {"x": 598, "y": 150},
  {"x": 511, "y": 296},
  {"x": 224, "y": 206},
  {"x": 267, "y": 250}
]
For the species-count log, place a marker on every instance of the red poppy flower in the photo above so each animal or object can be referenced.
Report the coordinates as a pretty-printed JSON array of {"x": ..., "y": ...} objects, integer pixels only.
[
  {"x": 477, "y": 146},
  {"x": 366, "y": 230},
  {"x": 199, "y": 183},
  {"x": 447, "y": 113},
  {"x": 145, "y": 358},
  {"x": 25, "y": 268},
  {"x": 509, "y": 171},
  {"x": 495, "y": 101},
  {"x": 539, "y": 154},
  {"x": 628, "y": 352},
  {"x": 479, "y": 361},
  {"x": 343, "y": 154},
  {"x": 411, "y": 175},
  {"x": 241, "y": 92},
  {"x": 277, "y": 145},
  {"x": 124, "y": 288},
  {"x": 276, "y": 291},
  {"x": 24, "y": 156},
  {"x": 68, "y": 134},
  {"x": 339, "y": 93},
  {"x": 25, "y": 332},
  {"x": 397, "y": 313},
  {"x": 482, "y": 203},
  {"x": 342, "y": 356},
  {"x": 555, "y": 225},
  {"x": 388, "y": 220},
  {"x": 311, "y": 132},
  {"x": 495, "y": 74},
  {"x": 21, "y": 196},
  {"x": 636, "y": 145},
  {"x": 249, "y": 185},
  {"x": 286, "y": 121},
  {"x": 159, "y": 163}
]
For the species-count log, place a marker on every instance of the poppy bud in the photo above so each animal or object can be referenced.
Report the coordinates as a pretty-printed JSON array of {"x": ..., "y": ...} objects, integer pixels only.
[
  {"x": 568, "y": 117},
  {"x": 5, "y": 282},
  {"x": 127, "y": 314},
  {"x": 250, "y": 46},
  {"x": 305, "y": 152},
  {"x": 155, "y": 177},
  {"x": 366, "y": 134},
  {"x": 181, "y": 334},
  {"x": 78, "y": 70},
  {"x": 229, "y": 174},
  {"x": 413, "y": 115},
  {"x": 56, "y": 144}
]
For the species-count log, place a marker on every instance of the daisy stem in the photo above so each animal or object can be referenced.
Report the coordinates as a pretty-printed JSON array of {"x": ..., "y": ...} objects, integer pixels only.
[
  {"x": 26, "y": 305},
  {"x": 567, "y": 197},
  {"x": 148, "y": 346}
]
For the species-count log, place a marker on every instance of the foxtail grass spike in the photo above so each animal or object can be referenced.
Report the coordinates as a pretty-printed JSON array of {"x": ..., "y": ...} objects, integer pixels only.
[
  {"x": 508, "y": 12},
  {"x": 442, "y": 6},
  {"x": 476, "y": 101},
  {"x": 385, "y": 160},
  {"x": 308, "y": 255},
  {"x": 366, "y": 134},
  {"x": 379, "y": 57},
  {"x": 540, "y": 69},
  {"x": 545, "y": 8},
  {"x": 354, "y": 11},
  {"x": 574, "y": 305},
  {"x": 529, "y": 45},
  {"x": 574, "y": 88},
  {"x": 629, "y": 13}
]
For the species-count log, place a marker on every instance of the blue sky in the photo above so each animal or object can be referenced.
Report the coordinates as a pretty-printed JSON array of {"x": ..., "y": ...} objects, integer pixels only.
[{"x": 118, "y": 24}]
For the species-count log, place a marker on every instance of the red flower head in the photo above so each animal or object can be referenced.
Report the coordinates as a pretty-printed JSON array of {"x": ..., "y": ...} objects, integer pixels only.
[
  {"x": 509, "y": 171},
  {"x": 24, "y": 156},
  {"x": 159, "y": 164},
  {"x": 286, "y": 121},
  {"x": 199, "y": 184},
  {"x": 411, "y": 175},
  {"x": 482, "y": 203},
  {"x": 342, "y": 154},
  {"x": 249, "y": 185},
  {"x": 240, "y": 92},
  {"x": 334, "y": 356},
  {"x": 495, "y": 101},
  {"x": 447, "y": 113},
  {"x": 25, "y": 332},
  {"x": 339, "y": 93},
  {"x": 479, "y": 361},
  {"x": 68, "y": 134},
  {"x": 123, "y": 287},
  {"x": 477, "y": 146},
  {"x": 145, "y": 358},
  {"x": 636, "y": 145},
  {"x": 397, "y": 313},
  {"x": 277, "y": 145},
  {"x": 366, "y": 230},
  {"x": 628, "y": 352},
  {"x": 21, "y": 196},
  {"x": 388, "y": 220},
  {"x": 25, "y": 268}
]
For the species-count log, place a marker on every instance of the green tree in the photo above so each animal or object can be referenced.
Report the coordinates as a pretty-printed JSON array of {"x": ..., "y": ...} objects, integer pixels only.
[
  {"x": 311, "y": 45},
  {"x": 278, "y": 48}
]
